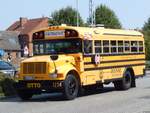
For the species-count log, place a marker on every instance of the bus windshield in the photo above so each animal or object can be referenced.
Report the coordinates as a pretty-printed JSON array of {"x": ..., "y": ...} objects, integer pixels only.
[{"x": 57, "y": 46}]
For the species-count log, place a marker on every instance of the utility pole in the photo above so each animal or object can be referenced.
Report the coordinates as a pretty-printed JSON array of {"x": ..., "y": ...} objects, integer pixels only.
[
  {"x": 77, "y": 7},
  {"x": 91, "y": 13}
]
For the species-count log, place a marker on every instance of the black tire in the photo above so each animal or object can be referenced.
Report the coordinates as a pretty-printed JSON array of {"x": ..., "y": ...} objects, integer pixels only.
[
  {"x": 24, "y": 96},
  {"x": 71, "y": 87},
  {"x": 125, "y": 83}
]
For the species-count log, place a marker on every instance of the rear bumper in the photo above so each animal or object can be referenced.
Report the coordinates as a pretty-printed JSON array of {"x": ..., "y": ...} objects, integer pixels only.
[{"x": 40, "y": 86}]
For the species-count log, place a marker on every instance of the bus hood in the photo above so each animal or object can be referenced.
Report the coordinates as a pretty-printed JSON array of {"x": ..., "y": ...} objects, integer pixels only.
[
  {"x": 47, "y": 58},
  {"x": 37, "y": 59},
  {"x": 34, "y": 64}
]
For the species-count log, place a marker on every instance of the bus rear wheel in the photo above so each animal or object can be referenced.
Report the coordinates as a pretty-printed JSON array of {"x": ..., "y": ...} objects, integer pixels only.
[
  {"x": 125, "y": 83},
  {"x": 71, "y": 87}
]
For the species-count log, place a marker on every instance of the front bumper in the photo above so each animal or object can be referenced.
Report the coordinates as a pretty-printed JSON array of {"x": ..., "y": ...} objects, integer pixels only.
[{"x": 40, "y": 86}]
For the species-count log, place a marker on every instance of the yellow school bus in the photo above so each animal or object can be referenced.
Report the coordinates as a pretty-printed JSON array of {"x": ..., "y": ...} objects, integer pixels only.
[{"x": 66, "y": 59}]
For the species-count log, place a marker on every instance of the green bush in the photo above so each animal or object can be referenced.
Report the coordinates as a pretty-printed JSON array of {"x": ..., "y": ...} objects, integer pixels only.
[
  {"x": 7, "y": 86},
  {"x": 1, "y": 91},
  {"x": 147, "y": 64},
  {"x": 1, "y": 79}
]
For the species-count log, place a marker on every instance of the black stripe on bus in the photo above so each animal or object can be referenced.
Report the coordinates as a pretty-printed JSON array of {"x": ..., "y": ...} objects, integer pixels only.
[
  {"x": 121, "y": 34},
  {"x": 116, "y": 79},
  {"x": 110, "y": 67},
  {"x": 120, "y": 54},
  {"x": 112, "y": 61}
]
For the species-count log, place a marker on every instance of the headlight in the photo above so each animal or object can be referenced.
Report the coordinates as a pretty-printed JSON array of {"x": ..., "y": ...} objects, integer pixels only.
[
  {"x": 53, "y": 75},
  {"x": 29, "y": 78}
]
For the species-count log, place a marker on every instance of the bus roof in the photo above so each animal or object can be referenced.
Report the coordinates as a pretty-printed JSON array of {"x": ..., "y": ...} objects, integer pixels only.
[
  {"x": 97, "y": 31},
  {"x": 105, "y": 31}
]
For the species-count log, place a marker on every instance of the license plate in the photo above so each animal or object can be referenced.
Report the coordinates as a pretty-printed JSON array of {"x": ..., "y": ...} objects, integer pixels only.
[{"x": 33, "y": 85}]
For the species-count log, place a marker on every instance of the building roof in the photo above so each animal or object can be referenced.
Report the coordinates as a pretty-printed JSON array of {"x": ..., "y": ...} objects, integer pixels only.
[
  {"x": 9, "y": 40},
  {"x": 24, "y": 25}
]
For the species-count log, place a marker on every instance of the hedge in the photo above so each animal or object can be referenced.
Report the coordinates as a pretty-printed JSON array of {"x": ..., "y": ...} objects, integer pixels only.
[{"x": 7, "y": 85}]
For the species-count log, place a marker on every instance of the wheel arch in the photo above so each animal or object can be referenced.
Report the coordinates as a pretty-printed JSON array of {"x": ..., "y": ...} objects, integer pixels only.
[
  {"x": 130, "y": 69},
  {"x": 76, "y": 74}
]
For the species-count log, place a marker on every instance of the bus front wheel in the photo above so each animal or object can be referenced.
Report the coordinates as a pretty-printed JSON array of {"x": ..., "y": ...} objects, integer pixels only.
[
  {"x": 125, "y": 83},
  {"x": 24, "y": 96},
  {"x": 71, "y": 87}
]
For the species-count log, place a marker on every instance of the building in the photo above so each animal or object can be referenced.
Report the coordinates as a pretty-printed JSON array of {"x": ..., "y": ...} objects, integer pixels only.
[
  {"x": 26, "y": 27},
  {"x": 10, "y": 44}
]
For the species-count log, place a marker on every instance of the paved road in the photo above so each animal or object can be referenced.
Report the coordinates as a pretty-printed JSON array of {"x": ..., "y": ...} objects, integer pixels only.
[{"x": 135, "y": 100}]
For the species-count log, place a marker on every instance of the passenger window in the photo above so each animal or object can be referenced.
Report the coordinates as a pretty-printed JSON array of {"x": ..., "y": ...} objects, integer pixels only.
[
  {"x": 88, "y": 46},
  {"x": 106, "y": 46},
  {"x": 134, "y": 46},
  {"x": 127, "y": 46},
  {"x": 38, "y": 49},
  {"x": 41, "y": 48},
  {"x": 98, "y": 48},
  {"x": 140, "y": 46},
  {"x": 113, "y": 47},
  {"x": 120, "y": 46}
]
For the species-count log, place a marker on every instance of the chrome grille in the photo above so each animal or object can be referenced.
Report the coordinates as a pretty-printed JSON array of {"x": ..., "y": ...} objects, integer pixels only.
[{"x": 34, "y": 68}]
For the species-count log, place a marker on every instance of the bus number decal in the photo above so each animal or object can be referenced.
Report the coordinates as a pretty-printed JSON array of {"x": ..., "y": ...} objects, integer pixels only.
[
  {"x": 33, "y": 85},
  {"x": 115, "y": 71}
]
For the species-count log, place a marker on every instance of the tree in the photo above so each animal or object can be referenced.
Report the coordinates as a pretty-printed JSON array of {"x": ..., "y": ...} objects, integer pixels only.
[
  {"x": 52, "y": 22},
  {"x": 67, "y": 16},
  {"x": 146, "y": 32},
  {"x": 107, "y": 17},
  {"x": 146, "y": 27}
]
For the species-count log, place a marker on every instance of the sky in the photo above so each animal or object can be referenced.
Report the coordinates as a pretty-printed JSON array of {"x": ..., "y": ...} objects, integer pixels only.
[{"x": 131, "y": 13}]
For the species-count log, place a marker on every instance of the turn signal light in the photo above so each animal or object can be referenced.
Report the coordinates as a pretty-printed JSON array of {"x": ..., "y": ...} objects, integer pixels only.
[{"x": 60, "y": 75}]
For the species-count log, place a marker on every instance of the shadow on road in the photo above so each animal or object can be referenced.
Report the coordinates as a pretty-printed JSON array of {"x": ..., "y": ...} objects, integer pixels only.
[
  {"x": 58, "y": 96},
  {"x": 89, "y": 92}
]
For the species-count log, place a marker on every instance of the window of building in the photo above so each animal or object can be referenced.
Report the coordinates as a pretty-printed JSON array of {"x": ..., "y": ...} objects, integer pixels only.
[
  {"x": 105, "y": 46},
  {"x": 134, "y": 46},
  {"x": 98, "y": 48},
  {"x": 88, "y": 47}
]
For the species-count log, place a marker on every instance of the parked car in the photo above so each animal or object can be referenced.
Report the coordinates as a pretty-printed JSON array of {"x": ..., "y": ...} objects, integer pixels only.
[{"x": 7, "y": 69}]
